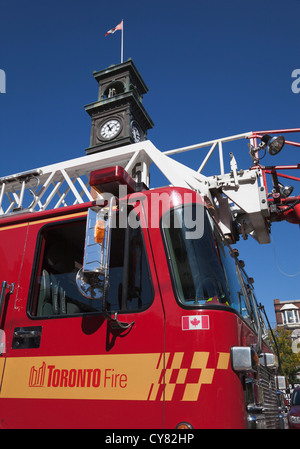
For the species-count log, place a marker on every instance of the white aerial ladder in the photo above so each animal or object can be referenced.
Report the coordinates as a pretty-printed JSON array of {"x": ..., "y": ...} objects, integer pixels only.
[{"x": 240, "y": 198}]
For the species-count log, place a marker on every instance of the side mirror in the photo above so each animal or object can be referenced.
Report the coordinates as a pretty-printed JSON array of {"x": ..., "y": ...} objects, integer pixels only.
[{"x": 92, "y": 279}]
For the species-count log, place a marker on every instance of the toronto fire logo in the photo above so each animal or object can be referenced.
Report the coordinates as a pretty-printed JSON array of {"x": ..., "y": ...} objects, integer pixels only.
[
  {"x": 51, "y": 376},
  {"x": 37, "y": 376}
]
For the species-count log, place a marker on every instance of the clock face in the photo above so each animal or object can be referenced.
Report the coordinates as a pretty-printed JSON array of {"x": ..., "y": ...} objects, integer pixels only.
[
  {"x": 110, "y": 129},
  {"x": 135, "y": 134}
]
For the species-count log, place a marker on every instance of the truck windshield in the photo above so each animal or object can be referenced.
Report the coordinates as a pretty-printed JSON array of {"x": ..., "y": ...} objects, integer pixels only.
[{"x": 203, "y": 271}]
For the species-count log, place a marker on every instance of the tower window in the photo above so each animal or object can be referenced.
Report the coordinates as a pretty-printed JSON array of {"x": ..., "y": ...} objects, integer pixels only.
[{"x": 114, "y": 89}]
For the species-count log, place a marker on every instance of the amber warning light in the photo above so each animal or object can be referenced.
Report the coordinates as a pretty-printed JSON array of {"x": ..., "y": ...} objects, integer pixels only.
[
  {"x": 110, "y": 179},
  {"x": 99, "y": 231}
]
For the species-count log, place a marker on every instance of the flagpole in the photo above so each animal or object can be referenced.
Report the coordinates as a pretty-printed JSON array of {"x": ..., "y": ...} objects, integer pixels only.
[{"x": 122, "y": 42}]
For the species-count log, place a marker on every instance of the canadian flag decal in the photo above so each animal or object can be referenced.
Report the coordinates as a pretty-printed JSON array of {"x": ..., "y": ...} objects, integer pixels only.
[{"x": 195, "y": 322}]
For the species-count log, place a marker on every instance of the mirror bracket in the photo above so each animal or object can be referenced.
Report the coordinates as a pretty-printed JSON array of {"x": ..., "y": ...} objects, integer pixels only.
[{"x": 116, "y": 324}]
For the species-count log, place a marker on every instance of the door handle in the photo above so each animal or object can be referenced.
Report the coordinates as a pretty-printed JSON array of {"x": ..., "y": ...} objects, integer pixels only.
[
  {"x": 27, "y": 337},
  {"x": 27, "y": 332}
]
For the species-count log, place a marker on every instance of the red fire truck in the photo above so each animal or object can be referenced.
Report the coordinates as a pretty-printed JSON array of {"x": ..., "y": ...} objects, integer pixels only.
[{"x": 128, "y": 307}]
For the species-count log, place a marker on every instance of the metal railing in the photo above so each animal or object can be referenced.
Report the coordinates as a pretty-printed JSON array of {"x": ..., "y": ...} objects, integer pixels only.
[
  {"x": 217, "y": 143},
  {"x": 55, "y": 186},
  {"x": 67, "y": 183}
]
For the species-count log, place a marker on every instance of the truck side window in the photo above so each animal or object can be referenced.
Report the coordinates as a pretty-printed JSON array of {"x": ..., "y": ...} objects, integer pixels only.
[
  {"x": 54, "y": 291},
  {"x": 60, "y": 256}
]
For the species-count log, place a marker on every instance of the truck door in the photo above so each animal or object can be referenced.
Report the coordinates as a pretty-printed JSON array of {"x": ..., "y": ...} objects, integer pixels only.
[
  {"x": 12, "y": 248},
  {"x": 66, "y": 365},
  {"x": 199, "y": 382}
]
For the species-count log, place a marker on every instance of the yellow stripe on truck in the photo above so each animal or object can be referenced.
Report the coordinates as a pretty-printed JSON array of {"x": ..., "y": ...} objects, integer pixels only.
[{"x": 139, "y": 377}]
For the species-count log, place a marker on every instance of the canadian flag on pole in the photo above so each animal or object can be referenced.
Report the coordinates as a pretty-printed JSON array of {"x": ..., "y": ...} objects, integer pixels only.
[
  {"x": 113, "y": 30},
  {"x": 195, "y": 322}
]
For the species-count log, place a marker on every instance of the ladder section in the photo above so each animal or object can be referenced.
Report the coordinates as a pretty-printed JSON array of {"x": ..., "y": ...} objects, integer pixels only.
[
  {"x": 67, "y": 183},
  {"x": 240, "y": 198},
  {"x": 62, "y": 184}
]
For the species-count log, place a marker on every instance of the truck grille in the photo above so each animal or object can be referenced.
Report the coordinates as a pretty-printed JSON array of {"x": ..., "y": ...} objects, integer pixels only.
[{"x": 270, "y": 398}]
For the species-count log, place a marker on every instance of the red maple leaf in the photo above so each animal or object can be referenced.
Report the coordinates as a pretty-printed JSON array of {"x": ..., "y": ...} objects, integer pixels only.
[{"x": 195, "y": 322}]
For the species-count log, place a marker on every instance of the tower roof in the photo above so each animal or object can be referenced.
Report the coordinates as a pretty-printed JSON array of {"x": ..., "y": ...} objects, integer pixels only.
[{"x": 121, "y": 68}]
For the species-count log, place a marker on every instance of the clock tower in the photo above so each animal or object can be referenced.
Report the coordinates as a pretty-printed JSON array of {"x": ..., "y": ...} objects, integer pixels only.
[{"x": 118, "y": 117}]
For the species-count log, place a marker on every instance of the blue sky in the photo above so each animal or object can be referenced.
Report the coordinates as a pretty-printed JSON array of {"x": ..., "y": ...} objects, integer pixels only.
[{"x": 213, "y": 69}]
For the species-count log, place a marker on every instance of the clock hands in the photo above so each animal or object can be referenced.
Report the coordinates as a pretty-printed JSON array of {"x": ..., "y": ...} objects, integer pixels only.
[{"x": 111, "y": 127}]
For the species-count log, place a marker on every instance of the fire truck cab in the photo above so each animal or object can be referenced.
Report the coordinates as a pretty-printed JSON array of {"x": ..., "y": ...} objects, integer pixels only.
[{"x": 127, "y": 311}]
